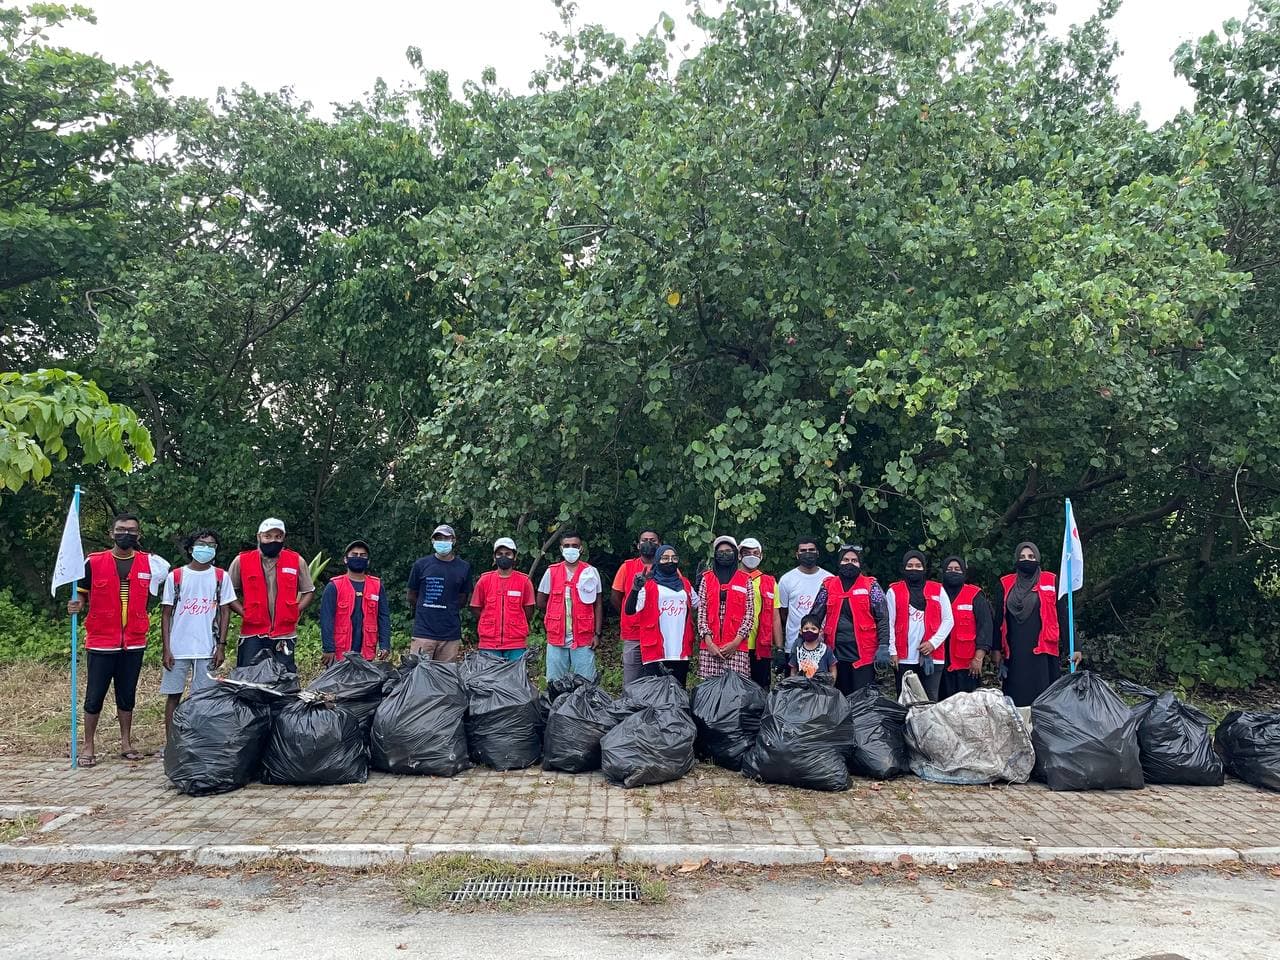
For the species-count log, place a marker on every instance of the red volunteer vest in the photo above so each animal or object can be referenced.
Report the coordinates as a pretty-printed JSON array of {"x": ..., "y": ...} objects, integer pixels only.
[
  {"x": 735, "y": 605},
  {"x": 651, "y": 648},
  {"x": 1048, "y": 586},
  {"x": 503, "y": 624},
  {"x": 342, "y": 616},
  {"x": 864, "y": 621},
  {"x": 964, "y": 633},
  {"x": 103, "y": 629},
  {"x": 764, "y": 632},
  {"x": 257, "y": 620},
  {"x": 584, "y": 614},
  {"x": 900, "y": 597},
  {"x": 630, "y": 623}
]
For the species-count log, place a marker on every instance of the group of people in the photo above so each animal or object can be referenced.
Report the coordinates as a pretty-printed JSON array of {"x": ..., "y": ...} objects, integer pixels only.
[{"x": 810, "y": 622}]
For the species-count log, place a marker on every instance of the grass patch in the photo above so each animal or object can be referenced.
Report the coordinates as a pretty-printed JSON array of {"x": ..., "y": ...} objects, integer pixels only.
[
  {"x": 428, "y": 884},
  {"x": 11, "y": 830}
]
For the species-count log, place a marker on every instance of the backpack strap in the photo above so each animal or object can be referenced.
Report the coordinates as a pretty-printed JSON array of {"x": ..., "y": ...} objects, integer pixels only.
[{"x": 177, "y": 585}]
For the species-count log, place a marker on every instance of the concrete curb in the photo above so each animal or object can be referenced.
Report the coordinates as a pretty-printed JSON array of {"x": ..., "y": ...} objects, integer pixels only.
[
  {"x": 1264, "y": 856},
  {"x": 930, "y": 856},
  {"x": 1155, "y": 856}
]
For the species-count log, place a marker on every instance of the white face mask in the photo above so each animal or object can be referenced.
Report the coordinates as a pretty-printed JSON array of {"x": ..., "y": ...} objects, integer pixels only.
[
  {"x": 751, "y": 562},
  {"x": 571, "y": 554}
]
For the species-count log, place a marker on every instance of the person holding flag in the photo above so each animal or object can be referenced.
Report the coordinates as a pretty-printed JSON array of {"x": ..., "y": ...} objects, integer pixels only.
[
  {"x": 119, "y": 589},
  {"x": 1030, "y": 618}
]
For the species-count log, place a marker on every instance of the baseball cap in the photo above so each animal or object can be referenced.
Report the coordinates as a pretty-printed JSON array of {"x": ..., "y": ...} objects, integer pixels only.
[
  {"x": 750, "y": 543},
  {"x": 445, "y": 529},
  {"x": 271, "y": 523},
  {"x": 505, "y": 542},
  {"x": 356, "y": 543},
  {"x": 725, "y": 539}
]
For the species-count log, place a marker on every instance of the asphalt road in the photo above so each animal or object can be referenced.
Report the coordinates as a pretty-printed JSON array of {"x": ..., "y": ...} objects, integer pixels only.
[{"x": 1191, "y": 915}]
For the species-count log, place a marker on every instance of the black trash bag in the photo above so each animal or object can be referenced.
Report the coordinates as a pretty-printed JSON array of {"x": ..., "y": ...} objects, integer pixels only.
[
  {"x": 418, "y": 728},
  {"x": 652, "y": 746},
  {"x": 1086, "y": 737},
  {"x": 1174, "y": 743},
  {"x": 504, "y": 718},
  {"x": 577, "y": 722},
  {"x": 659, "y": 691},
  {"x": 804, "y": 736},
  {"x": 266, "y": 680},
  {"x": 727, "y": 711},
  {"x": 562, "y": 686},
  {"x": 216, "y": 741},
  {"x": 407, "y": 662},
  {"x": 316, "y": 742},
  {"x": 357, "y": 684},
  {"x": 1250, "y": 744},
  {"x": 879, "y": 747}
]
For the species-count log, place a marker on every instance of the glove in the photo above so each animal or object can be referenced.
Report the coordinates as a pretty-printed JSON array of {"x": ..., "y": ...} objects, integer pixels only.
[
  {"x": 779, "y": 660},
  {"x": 926, "y": 666},
  {"x": 882, "y": 657}
]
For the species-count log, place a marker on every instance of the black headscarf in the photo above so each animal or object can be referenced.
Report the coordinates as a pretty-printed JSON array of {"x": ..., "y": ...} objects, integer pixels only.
[
  {"x": 916, "y": 594},
  {"x": 1024, "y": 595},
  {"x": 839, "y": 557},
  {"x": 670, "y": 581},
  {"x": 964, "y": 569}
]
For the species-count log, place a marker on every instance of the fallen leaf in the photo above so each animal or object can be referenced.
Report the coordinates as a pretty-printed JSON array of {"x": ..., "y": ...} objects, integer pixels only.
[
  {"x": 844, "y": 871},
  {"x": 208, "y": 904},
  {"x": 906, "y": 858},
  {"x": 997, "y": 882},
  {"x": 875, "y": 787},
  {"x": 913, "y": 876},
  {"x": 402, "y": 946},
  {"x": 953, "y": 867},
  {"x": 692, "y": 866}
]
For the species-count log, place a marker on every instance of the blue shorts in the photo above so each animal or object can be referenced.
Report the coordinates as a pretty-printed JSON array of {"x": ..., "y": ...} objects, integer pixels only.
[
  {"x": 506, "y": 654},
  {"x": 563, "y": 660}
]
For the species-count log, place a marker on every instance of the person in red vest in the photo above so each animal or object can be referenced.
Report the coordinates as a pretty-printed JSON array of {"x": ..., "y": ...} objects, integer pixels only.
[
  {"x": 574, "y": 617},
  {"x": 972, "y": 636},
  {"x": 725, "y": 613},
  {"x": 274, "y": 587},
  {"x": 662, "y": 601},
  {"x": 1030, "y": 618},
  {"x": 646, "y": 547},
  {"x": 355, "y": 614},
  {"x": 855, "y": 617},
  {"x": 920, "y": 621},
  {"x": 503, "y": 601},
  {"x": 763, "y": 591},
  {"x": 120, "y": 587}
]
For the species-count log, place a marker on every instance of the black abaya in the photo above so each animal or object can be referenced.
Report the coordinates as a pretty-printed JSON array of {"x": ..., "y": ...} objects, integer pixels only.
[{"x": 1030, "y": 673}]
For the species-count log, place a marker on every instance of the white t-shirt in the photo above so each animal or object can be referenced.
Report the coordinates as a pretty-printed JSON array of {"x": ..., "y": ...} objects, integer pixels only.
[
  {"x": 796, "y": 592},
  {"x": 915, "y": 627},
  {"x": 191, "y": 632},
  {"x": 673, "y": 612},
  {"x": 588, "y": 590}
]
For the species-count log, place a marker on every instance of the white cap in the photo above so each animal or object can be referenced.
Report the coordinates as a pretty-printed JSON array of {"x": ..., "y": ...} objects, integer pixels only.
[
  {"x": 725, "y": 539},
  {"x": 271, "y": 523},
  {"x": 750, "y": 543},
  {"x": 505, "y": 542}
]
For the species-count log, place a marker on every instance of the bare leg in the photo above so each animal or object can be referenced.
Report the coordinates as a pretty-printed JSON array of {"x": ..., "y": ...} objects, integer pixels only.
[
  {"x": 90, "y": 732},
  {"x": 126, "y": 730},
  {"x": 170, "y": 704}
]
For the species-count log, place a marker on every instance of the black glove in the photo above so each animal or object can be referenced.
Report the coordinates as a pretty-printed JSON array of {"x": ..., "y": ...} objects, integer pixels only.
[{"x": 779, "y": 660}]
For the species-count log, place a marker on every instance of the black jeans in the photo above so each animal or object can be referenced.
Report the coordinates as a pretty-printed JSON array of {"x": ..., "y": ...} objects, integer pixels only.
[
  {"x": 761, "y": 670},
  {"x": 677, "y": 668},
  {"x": 850, "y": 678},
  {"x": 250, "y": 647},
  {"x": 121, "y": 668}
]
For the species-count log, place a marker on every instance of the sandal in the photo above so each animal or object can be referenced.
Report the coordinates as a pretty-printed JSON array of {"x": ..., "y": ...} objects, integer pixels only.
[
  {"x": 89, "y": 761},
  {"x": 133, "y": 755}
]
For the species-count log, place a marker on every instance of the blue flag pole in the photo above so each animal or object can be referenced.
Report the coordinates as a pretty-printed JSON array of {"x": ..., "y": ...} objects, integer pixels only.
[
  {"x": 75, "y": 656},
  {"x": 1071, "y": 611}
]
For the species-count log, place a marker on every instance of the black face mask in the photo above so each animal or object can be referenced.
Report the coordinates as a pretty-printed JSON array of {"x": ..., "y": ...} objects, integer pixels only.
[
  {"x": 808, "y": 558},
  {"x": 914, "y": 577},
  {"x": 1028, "y": 567},
  {"x": 647, "y": 550},
  {"x": 810, "y": 637},
  {"x": 271, "y": 549},
  {"x": 505, "y": 563},
  {"x": 357, "y": 564},
  {"x": 666, "y": 569},
  {"x": 953, "y": 580},
  {"x": 850, "y": 571},
  {"x": 125, "y": 541},
  {"x": 726, "y": 558}
]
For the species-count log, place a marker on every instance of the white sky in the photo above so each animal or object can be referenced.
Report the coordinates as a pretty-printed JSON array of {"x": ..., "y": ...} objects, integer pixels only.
[{"x": 332, "y": 51}]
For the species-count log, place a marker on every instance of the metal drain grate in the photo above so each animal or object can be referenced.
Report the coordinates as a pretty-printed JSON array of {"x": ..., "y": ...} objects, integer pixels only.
[{"x": 563, "y": 886}]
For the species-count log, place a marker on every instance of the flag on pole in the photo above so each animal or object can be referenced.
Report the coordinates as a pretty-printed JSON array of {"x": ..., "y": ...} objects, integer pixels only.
[
  {"x": 1071, "y": 571},
  {"x": 70, "y": 564}
]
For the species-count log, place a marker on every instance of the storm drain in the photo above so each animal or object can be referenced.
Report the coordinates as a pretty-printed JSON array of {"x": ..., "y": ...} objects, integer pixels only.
[{"x": 564, "y": 886}]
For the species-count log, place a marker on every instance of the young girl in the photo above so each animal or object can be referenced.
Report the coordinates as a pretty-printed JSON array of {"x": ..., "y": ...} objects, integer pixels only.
[{"x": 811, "y": 656}]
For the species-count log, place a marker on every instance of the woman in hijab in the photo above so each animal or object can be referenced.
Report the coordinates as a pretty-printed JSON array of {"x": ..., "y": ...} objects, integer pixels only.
[
  {"x": 920, "y": 620},
  {"x": 855, "y": 619},
  {"x": 664, "y": 601},
  {"x": 972, "y": 636},
  {"x": 1029, "y": 627}
]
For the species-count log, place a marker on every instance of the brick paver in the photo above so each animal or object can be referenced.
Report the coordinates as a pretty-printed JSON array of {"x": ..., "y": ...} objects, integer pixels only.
[{"x": 133, "y": 803}]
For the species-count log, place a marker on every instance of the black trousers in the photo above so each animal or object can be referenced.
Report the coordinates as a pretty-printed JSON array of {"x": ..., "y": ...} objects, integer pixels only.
[
  {"x": 122, "y": 669},
  {"x": 850, "y": 678},
  {"x": 957, "y": 681},
  {"x": 282, "y": 650},
  {"x": 677, "y": 668},
  {"x": 761, "y": 670}
]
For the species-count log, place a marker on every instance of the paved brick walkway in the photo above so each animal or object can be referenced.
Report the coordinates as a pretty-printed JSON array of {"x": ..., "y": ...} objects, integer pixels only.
[{"x": 134, "y": 804}]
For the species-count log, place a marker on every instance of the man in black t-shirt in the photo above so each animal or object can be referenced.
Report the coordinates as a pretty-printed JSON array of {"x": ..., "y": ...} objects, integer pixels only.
[{"x": 439, "y": 589}]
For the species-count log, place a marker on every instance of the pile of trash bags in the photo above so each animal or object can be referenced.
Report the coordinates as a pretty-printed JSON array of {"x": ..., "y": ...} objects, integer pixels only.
[
  {"x": 652, "y": 746},
  {"x": 1174, "y": 743},
  {"x": 357, "y": 684},
  {"x": 419, "y": 728},
  {"x": 504, "y": 719},
  {"x": 1085, "y": 736},
  {"x": 577, "y": 723},
  {"x": 804, "y": 738},
  {"x": 1250, "y": 745}
]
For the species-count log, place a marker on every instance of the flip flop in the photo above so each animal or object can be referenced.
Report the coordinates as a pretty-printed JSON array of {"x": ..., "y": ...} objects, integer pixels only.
[
  {"x": 89, "y": 761},
  {"x": 131, "y": 755}
]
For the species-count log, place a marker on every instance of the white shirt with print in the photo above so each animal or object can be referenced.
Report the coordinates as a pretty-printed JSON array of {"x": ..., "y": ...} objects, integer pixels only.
[{"x": 191, "y": 631}]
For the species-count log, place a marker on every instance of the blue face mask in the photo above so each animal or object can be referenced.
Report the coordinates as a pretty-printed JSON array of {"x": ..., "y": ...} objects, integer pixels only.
[
  {"x": 442, "y": 547},
  {"x": 203, "y": 553}
]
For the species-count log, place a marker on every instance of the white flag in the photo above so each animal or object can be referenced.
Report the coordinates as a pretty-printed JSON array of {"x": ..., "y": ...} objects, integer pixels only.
[
  {"x": 70, "y": 565},
  {"x": 1072, "y": 553}
]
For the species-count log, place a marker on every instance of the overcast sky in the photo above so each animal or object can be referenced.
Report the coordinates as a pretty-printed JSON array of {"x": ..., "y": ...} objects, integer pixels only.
[{"x": 332, "y": 51}]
